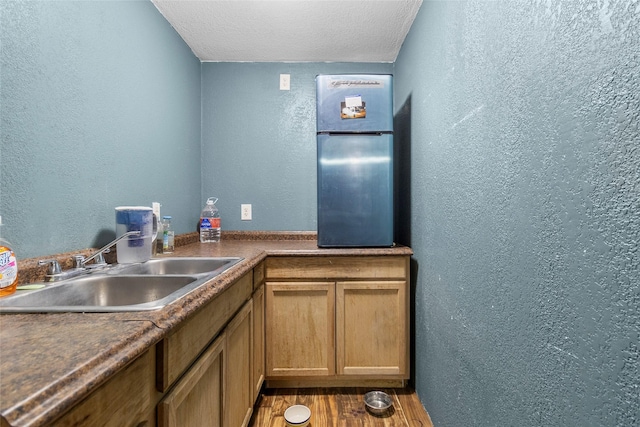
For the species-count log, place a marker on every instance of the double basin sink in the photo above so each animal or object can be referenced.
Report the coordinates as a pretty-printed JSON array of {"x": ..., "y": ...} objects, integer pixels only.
[{"x": 129, "y": 287}]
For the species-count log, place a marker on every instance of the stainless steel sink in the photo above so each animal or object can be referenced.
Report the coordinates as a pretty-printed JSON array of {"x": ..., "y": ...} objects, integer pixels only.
[
  {"x": 140, "y": 287},
  {"x": 184, "y": 265}
]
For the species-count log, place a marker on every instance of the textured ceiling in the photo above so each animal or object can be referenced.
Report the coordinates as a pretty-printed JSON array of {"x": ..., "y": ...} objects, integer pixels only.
[{"x": 292, "y": 30}]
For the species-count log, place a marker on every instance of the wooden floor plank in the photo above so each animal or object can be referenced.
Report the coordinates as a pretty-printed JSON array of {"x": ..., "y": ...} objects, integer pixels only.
[
  {"x": 415, "y": 413},
  {"x": 324, "y": 411},
  {"x": 339, "y": 407},
  {"x": 350, "y": 412}
]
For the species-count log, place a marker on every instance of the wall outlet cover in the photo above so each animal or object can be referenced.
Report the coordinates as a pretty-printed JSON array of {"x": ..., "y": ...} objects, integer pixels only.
[
  {"x": 285, "y": 81},
  {"x": 245, "y": 212}
]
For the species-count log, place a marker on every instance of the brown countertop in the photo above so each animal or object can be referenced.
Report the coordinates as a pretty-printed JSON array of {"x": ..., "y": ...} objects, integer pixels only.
[{"x": 50, "y": 362}]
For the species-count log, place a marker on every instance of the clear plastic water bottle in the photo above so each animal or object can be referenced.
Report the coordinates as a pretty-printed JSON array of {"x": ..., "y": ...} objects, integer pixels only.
[
  {"x": 210, "y": 222},
  {"x": 167, "y": 235}
]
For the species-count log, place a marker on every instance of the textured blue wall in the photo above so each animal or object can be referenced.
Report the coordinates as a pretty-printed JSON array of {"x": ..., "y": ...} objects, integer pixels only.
[
  {"x": 99, "y": 107},
  {"x": 525, "y": 201},
  {"x": 259, "y": 144},
  {"x": 518, "y": 123}
]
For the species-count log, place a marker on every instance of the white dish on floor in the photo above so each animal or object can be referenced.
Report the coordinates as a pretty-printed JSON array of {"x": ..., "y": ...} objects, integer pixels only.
[{"x": 297, "y": 416}]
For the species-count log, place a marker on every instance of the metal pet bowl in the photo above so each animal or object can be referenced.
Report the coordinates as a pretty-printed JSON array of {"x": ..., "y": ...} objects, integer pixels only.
[{"x": 377, "y": 402}]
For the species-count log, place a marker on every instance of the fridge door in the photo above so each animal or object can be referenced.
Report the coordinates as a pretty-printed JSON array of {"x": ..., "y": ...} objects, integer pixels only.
[
  {"x": 355, "y": 190},
  {"x": 354, "y": 103}
]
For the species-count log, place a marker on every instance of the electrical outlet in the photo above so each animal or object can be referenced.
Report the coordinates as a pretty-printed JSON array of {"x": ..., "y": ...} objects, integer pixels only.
[
  {"x": 245, "y": 212},
  {"x": 285, "y": 81}
]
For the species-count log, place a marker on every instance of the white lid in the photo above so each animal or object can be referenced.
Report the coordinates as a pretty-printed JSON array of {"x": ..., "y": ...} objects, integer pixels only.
[{"x": 133, "y": 208}]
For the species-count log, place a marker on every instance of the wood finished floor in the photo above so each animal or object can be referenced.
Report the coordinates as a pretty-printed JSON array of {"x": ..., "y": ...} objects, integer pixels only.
[{"x": 339, "y": 407}]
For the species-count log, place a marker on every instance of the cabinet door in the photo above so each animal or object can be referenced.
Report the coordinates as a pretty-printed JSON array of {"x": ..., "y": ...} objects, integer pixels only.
[
  {"x": 300, "y": 334},
  {"x": 258, "y": 341},
  {"x": 197, "y": 399},
  {"x": 239, "y": 390},
  {"x": 372, "y": 328}
]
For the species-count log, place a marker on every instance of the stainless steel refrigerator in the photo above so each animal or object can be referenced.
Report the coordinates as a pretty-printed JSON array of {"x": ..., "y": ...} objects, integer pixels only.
[{"x": 355, "y": 160}]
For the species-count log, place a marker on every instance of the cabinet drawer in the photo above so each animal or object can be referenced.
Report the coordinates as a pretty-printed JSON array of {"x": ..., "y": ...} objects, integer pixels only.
[
  {"x": 177, "y": 351},
  {"x": 352, "y": 267}
]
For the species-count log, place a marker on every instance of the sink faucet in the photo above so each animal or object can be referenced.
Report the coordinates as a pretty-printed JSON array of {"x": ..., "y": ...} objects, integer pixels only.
[
  {"x": 55, "y": 273},
  {"x": 99, "y": 255}
]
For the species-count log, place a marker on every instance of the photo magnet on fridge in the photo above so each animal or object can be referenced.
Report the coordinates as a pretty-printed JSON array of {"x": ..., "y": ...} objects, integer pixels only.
[{"x": 353, "y": 108}]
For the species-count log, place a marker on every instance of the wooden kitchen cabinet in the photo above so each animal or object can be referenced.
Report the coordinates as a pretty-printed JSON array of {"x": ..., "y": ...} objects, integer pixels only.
[
  {"x": 127, "y": 399},
  {"x": 371, "y": 328},
  {"x": 337, "y": 321},
  {"x": 300, "y": 329},
  {"x": 217, "y": 390},
  {"x": 197, "y": 399},
  {"x": 179, "y": 350},
  {"x": 291, "y": 321},
  {"x": 211, "y": 388},
  {"x": 238, "y": 394}
]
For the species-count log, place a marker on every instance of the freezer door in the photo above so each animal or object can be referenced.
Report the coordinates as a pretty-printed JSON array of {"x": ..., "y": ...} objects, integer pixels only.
[
  {"x": 354, "y": 103},
  {"x": 355, "y": 190}
]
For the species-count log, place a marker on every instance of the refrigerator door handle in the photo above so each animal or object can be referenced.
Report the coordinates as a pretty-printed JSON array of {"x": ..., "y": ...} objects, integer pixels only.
[{"x": 355, "y": 133}]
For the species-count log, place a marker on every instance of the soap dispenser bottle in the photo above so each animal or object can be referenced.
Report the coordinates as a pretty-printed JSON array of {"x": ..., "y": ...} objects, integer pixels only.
[{"x": 8, "y": 268}]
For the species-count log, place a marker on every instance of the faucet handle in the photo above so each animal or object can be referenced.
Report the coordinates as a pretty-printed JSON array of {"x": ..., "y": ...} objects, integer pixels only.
[
  {"x": 54, "y": 266},
  {"x": 99, "y": 260},
  {"x": 78, "y": 261}
]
